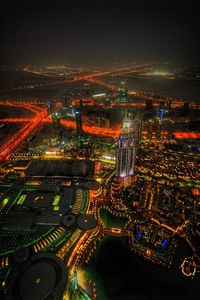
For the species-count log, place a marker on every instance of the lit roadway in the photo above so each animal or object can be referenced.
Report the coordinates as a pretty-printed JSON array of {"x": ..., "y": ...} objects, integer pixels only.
[
  {"x": 60, "y": 79},
  {"x": 94, "y": 130},
  {"x": 56, "y": 79},
  {"x": 23, "y": 133},
  {"x": 40, "y": 113},
  {"x": 81, "y": 245}
]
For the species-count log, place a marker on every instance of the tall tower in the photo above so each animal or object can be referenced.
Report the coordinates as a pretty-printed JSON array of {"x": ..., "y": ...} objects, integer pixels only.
[
  {"x": 58, "y": 129},
  {"x": 126, "y": 151},
  {"x": 122, "y": 94},
  {"x": 56, "y": 136},
  {"x": 138, "y": 127},
  {"x": 78, "y": 116}
]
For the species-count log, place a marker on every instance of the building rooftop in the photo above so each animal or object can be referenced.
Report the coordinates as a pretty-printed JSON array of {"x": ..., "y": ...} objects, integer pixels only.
[
  {"x": 68, "y": 168},
  {"x": 44, "y": 277},
  {"x": 86, "y": 221},
  {"x": 18, "y": 221},
  {"x": 39, "y": 199}
]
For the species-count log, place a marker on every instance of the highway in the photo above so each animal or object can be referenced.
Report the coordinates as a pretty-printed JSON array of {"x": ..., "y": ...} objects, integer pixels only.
[
  {"x": 33, "y": 123},
  {"x": 99, "y": 131},
  {"x": 41, "y": 114},
  {"x": 94, "y": 77},
  {"x": 94, "y": 130}
]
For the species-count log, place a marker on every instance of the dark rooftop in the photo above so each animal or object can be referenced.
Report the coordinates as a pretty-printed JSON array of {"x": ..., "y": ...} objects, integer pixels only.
[
  {"x": 86, "y": 221},
  {"x": 62, "y": 168},
  {"x": 18, "y": 221},
  {"x": 21, "y": 163},
  {"x": 39, "y": 199}
]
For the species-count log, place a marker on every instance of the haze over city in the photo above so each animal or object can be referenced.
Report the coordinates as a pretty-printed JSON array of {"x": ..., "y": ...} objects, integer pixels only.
[{"x": 98, "y": 32}]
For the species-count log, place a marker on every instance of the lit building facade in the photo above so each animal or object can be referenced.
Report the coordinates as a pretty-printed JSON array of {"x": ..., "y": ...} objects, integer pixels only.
[
  {"x": 138, "y": 127},
  {"x": 125, "y": 155},
  {"x": 126, "y": 150},
  {"x": 78, "y": 117}
]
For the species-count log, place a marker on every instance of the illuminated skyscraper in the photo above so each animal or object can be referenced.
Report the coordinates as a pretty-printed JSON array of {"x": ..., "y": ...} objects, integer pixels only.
[
  {"x": 78, "y": 116},
  {"x": 126, "y": 150},
  {"x": 57, "y": 130},
  {"x": 54, "y": 113},
  {"x": 138, "y": 127},
  {"x": 125, "y": 155},
  {"x": 122, "y": 95}
]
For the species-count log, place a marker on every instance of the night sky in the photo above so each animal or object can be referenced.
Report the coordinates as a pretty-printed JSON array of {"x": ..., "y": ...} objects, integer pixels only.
[{"x": 93, "y": 32}]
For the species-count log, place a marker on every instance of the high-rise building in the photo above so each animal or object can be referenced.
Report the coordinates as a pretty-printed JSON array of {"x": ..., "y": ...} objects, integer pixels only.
[
  {"x": 70, "y": 112},
  {"x": 122, "y": 95},
  {"x": 161, "y": 104},
  {"x": 54, "y": 113},
  {"x": 149, "y": 104},
  {"x": 168, "y": 105},
  {"x": 105, "y": 122},
  {"x": 126, "y": 150},
  {"x": 50, "y": 107},
  {"x": 185, "y": 110},
  {"x": 78, "y": 116},
  {"x": 67, "y": 100},
  {"x": 125, "y": 155},
  {"x": 57, "y": 130},
  {"x": 138, "y": 127}
]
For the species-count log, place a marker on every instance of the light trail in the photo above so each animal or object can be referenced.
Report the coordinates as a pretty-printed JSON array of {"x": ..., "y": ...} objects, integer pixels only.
[
  {"x": 22, "y": 134},
  {"x": 99, "y": 131},
  {"x": 15, "y": 120}
]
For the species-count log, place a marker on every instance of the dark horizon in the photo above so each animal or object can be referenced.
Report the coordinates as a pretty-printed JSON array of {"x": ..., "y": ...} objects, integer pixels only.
[{"x": 99, "y": 32}]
